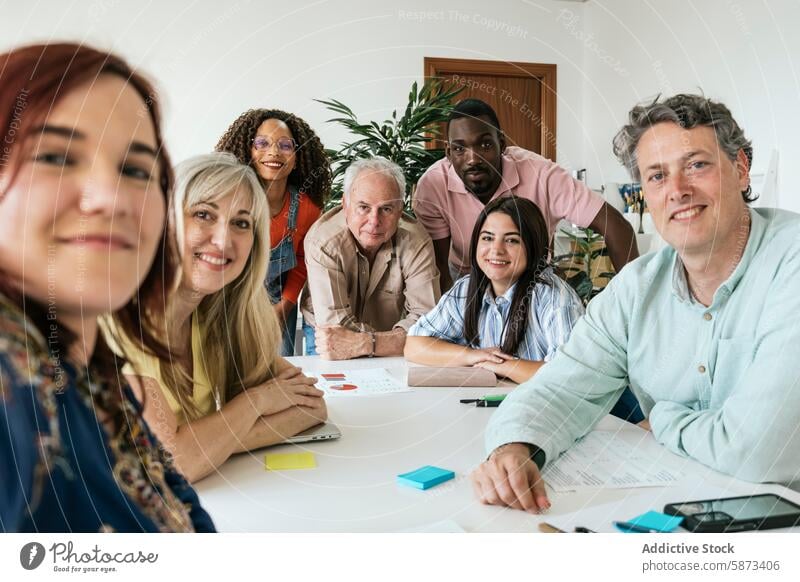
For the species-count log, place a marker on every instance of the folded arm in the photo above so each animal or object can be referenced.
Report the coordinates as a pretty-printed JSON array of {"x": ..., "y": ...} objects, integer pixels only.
[
  {"x": 566, "y": 398},
  {"x": 201, "y": 445}
]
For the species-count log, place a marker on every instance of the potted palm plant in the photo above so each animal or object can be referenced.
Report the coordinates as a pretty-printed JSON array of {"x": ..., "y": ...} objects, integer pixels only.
[
  {"x": 405, "y": 140},
  {"x": 587, "y": 266}
]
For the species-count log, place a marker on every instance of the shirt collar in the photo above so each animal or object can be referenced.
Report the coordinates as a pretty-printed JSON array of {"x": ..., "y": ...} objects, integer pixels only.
[
  {"x": 509, "y": 181},
  {"x": 680, "y": 285},
  {"x": 505, "y": 298},
  {"x": 385, "y": 254}
]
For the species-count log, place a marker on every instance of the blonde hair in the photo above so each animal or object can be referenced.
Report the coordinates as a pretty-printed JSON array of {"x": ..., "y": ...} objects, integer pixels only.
[{"x": 240, "y": 332}]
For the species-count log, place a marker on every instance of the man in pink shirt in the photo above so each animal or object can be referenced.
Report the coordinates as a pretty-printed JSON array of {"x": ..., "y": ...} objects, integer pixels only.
[{"x": 478, "y": 168}]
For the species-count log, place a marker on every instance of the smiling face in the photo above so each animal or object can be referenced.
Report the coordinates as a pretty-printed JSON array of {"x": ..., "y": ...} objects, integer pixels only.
[
  {"x": 372, "y": 209},
  {"x": 475, "y": 148},
  {"x": 693, "y": 190},
  {"x": 80, "y": 223},
  {"x": 275, "y": 160},
  {"x": 500, "y": 253},
  {"x": 218, "y": 238}
]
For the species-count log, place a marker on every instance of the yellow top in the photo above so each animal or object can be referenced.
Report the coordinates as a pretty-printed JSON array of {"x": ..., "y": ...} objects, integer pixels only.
[{"x": 150, "y": 367}]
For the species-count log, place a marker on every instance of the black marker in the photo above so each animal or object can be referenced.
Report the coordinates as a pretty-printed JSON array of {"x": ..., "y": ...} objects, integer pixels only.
[{"x": 490, "y": 401}]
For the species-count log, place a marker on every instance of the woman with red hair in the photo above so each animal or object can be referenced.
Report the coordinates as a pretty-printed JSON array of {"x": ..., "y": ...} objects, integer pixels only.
[{"x": 84, "y": 180}]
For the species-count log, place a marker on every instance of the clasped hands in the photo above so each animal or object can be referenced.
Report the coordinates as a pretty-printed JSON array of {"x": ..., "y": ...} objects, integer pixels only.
[
  {"x": 491, "y": 359},
  {"x": 339, "y": 343},
  {"x": 289, "y": 388}
]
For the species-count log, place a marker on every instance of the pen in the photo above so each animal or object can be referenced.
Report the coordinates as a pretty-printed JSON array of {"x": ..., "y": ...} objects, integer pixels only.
[
  {"x": 490, "y": 401},
  {"x": 581, "y": 529},
  {"x": 626, "y": 525},
  {"x": 495, "y": 397}
]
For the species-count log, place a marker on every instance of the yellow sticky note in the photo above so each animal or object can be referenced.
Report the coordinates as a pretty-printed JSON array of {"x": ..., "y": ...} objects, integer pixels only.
[{"x": 283, "y": 461}]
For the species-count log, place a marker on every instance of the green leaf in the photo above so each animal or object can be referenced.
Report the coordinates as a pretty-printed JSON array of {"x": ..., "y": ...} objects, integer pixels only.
[
  {"x": 581, "y": 283},
  {"x": 401, "y": 140}
]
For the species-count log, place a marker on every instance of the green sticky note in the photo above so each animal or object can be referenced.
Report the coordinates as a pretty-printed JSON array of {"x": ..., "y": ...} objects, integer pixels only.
[{"x": 285, "y": 461}]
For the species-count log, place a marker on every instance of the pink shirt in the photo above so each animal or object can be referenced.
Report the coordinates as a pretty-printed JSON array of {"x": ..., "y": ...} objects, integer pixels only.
[{"x": 445, "y": 207}]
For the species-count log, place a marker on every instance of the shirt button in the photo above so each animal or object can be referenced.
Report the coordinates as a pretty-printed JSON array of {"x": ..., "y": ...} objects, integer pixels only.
[
  {"x": 701, "y": 368},
  {"x": 707, "y": 316}
]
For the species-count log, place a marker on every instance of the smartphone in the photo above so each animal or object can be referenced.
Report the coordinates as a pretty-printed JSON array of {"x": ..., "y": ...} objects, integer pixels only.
[{"x": 736, "y": 513}]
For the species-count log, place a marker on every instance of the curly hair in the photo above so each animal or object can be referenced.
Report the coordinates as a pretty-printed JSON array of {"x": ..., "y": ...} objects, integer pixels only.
[
  {"x": 688, "y": 111},
  {"x": 312, "y": 172}
]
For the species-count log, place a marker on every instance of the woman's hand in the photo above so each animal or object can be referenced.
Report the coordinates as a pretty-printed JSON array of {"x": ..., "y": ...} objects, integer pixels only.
[
  {"x": 487, "y": 355},
  {"x": 289, "y": 388},
  {"x": 320, "y": 412}
]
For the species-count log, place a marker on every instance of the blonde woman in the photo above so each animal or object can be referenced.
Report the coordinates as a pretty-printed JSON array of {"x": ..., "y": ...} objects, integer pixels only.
[{"x": 226, "y": 390}]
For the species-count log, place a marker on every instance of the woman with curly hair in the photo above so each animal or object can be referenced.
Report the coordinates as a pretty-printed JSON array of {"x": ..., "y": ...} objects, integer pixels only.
[{"x": 295, "y": 172}]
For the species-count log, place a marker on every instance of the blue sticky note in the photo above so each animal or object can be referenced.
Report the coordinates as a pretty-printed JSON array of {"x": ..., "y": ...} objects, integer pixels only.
[
  {"x": 425, "y": 477},
  {"x": 652, "y": 521}
]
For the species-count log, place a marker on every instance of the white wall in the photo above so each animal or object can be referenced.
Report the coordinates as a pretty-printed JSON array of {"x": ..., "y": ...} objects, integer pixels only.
[
  {"x": 213, "y": 63},
  {"x": 745, "y": 54}
]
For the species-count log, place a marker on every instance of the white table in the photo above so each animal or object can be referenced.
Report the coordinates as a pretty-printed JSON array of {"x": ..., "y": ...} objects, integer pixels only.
[{"x": 354, "y": 488}]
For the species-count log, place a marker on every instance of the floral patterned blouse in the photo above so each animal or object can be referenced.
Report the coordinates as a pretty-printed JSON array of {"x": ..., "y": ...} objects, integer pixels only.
[{"x": 62, "y": 470}]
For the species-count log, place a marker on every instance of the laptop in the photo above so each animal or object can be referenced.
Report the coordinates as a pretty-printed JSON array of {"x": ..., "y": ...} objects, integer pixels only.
[{"x": 322, "y": 432}]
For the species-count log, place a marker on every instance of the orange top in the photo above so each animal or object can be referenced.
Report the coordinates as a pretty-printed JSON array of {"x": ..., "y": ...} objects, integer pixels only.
[{"x": 307, "y": 214}]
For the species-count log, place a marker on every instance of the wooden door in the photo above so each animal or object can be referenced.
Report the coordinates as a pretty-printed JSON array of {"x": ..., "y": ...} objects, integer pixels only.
[{"x": 522, "y": 94}]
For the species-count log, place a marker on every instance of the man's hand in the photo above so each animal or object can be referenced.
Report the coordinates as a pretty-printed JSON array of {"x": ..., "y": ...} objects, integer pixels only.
[
  {"x": 340, "y": 343},
  {"x": 645, "y": 424},
  {"x": 509, "y": 477}
]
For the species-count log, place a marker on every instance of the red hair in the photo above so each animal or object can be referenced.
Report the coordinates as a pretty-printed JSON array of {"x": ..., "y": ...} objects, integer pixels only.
[{"x": 33, "y": 79}]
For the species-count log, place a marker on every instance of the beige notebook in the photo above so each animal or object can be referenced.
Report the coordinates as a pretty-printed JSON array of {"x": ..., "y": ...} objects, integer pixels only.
[{"x": 450, "y": 377}]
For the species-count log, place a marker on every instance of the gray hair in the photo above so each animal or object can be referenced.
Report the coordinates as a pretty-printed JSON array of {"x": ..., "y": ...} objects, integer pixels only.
[
  {"x": 376, "y": 164},
  {"x": 688, "y": 111}
]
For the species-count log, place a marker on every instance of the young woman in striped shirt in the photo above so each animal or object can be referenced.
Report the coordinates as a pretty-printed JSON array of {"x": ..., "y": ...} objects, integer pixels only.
[{"x": 510, "y": 314}]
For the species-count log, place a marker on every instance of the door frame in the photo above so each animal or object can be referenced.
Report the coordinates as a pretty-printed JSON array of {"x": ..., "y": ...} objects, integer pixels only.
[{"x": 544, "y": 72}]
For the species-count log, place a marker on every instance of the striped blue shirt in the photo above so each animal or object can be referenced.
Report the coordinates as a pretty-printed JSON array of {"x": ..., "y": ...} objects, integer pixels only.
[{"x": 554, "y": 310}]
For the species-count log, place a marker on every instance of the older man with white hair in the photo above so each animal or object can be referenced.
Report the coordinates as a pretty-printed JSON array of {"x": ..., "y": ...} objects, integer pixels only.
[{"x": 371, "y": 269}]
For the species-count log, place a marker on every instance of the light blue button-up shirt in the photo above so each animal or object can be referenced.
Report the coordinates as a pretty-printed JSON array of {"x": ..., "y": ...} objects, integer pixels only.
[
  {"x": 553, "y": 312},
  {"x": 720, "y": 384}
]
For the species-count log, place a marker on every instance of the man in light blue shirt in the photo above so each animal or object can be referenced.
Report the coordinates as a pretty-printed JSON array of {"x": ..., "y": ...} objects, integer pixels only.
[{"x": 705, "y": 331}]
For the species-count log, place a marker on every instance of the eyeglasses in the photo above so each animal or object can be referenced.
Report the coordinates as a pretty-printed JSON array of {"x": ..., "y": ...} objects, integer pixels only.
[{"x": 286, "y": 145}]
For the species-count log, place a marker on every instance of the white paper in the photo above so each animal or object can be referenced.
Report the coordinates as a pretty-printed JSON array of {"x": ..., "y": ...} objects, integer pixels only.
[
  {"x": 354, "y": 383},
  {"x": 603, "y": 460}
]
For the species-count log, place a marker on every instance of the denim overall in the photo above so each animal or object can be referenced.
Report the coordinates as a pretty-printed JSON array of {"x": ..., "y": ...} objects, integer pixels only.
[{"x": 282, "y": 260}]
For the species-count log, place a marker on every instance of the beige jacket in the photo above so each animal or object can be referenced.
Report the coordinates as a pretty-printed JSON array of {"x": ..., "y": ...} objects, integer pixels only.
[{"x": 401, "y": 285}]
